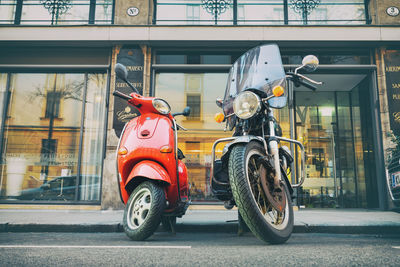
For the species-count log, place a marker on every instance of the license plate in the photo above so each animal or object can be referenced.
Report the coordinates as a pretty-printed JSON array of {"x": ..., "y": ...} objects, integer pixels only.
[{"x": 395, "y": 179}]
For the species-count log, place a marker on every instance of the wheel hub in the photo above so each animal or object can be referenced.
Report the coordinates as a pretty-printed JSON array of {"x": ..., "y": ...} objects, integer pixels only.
[{"x": 276, "y": 196}]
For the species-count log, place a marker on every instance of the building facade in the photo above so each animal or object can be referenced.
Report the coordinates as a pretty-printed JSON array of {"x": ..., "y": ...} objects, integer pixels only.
[{"x": 60, "y": 123}]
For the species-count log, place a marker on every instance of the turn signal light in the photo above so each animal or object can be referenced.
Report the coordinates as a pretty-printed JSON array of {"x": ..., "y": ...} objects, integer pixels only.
[
  {"x": 278, "y": 90},
  {"x": 219, "y": 117},
  {"x": 122, "y": 151},
  {"x": 166, "y": 149}
]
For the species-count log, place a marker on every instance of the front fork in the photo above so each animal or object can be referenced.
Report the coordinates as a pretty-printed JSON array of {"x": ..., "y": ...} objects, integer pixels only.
[{"x": 274, "y": 149}]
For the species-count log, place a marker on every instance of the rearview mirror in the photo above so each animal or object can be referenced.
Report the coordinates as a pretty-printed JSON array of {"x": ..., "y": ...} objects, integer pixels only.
[
  {"x": 310, "y": 63},
  {"x": 219, "y": 102},
  {"x": 121, "y": 72},
  {"x": 186, "y": 111}
]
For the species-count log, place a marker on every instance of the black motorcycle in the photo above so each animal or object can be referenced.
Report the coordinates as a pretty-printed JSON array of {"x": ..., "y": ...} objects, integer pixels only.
[{"x": 252, "y": 172}]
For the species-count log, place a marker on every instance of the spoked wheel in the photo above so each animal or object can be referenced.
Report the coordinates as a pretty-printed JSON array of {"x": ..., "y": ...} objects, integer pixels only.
[
  {"x": 267, "y": 210},
  {"x": 143, "y": 211}
]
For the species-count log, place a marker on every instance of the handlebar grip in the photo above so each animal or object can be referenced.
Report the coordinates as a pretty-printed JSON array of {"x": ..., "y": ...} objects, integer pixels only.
[
  {"x": 309, "y": 86},
  {"x": 122, "y": 95}
]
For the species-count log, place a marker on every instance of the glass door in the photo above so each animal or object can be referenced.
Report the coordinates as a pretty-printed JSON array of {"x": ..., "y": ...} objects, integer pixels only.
[
  {"x": 334, "y": 125},
  {"x": 315, "y": 128}
]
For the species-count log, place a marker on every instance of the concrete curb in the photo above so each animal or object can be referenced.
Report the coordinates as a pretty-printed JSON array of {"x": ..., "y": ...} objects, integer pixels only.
[{"x": 198, "y": 228}]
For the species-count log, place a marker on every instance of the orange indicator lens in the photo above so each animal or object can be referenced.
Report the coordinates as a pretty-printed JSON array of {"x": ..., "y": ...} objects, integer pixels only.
[
  {"x": 278, "y": 91},
  {"x": 122, "y": 151},
  {"x": 166, "y": 149},
  {"x": 219, "y": 117}
]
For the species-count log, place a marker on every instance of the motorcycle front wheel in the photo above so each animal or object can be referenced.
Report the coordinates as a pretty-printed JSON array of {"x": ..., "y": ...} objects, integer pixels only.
[
  {"x": 143, "y": 211},
  {"x": 265, "y": 222}
]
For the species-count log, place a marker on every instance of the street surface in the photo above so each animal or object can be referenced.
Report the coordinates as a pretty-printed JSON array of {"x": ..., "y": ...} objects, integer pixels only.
[{"x": 196, "y": 249}]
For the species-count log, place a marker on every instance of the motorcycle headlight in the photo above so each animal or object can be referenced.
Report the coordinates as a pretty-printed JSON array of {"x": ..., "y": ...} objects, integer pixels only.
[
  {"x": 246, "y": 105},
  {"x": 161, "y": 106}
]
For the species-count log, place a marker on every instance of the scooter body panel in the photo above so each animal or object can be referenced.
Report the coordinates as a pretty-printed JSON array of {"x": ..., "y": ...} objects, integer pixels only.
[{"x": 143, "y": 138}]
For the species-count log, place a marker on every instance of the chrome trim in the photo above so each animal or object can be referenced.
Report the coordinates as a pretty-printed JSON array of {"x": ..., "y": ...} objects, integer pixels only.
[
  {"x": 119, "y": 177},
  {"x": 227, "y": 139},
  {"x": 389, "y": 186},
  {"x": 303, "y": 158}
]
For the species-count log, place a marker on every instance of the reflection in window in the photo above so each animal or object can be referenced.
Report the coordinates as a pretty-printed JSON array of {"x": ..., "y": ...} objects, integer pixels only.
[
  {"x": 196, "y": 143},
  {"x": 60, "y": 12},
  {"x": 185, "y": 12},
  {"x": 42, "y": 139},
  {"x": 3, "y": 84},
  {"x": 199, "y": 91},
  {"x": 265, "y": 12},
  {"x": 53, "y": 104},
  {"x": 7, "y": 11},
  {"x": 194, "y": 102}
]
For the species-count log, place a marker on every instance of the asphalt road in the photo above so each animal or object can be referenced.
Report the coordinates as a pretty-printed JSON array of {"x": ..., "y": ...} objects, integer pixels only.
[{"x": 195, "y": 249}]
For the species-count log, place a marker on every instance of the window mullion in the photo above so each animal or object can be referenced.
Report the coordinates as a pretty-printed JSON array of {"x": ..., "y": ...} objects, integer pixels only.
[{"x": 92, "y": 11}]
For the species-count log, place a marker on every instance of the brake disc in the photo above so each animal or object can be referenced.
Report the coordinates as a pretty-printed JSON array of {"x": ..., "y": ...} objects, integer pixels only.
[{"x": 276, "y": 196}]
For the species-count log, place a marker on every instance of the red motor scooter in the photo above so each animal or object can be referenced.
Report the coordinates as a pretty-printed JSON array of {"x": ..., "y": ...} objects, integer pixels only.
[{"x": 152, "y": 178}]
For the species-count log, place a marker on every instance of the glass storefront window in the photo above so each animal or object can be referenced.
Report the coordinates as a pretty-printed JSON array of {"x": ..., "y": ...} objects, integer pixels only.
[
  {"x": 56, "y": 12},
  {"x": 43, "y": 137},
  {"x": 7, "y": 11},
  {"x": 104, "y": 11},
  {"x": 199, "y": 90},
  {"x": 3, "y": 85},
  {"x": 254, "y": 12},
  {"x": 170, "y": 58},
  {"x": 93, "y": 137},
  {"x": 330, "y": 12},
  {"x": 33, "y": 11},
  {"x": 261, "y": 12},
  {"x": 188, "y": 12}
]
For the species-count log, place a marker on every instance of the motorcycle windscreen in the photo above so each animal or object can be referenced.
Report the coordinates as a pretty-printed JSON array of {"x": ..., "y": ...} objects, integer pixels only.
[{"x": 259, "y": 70}]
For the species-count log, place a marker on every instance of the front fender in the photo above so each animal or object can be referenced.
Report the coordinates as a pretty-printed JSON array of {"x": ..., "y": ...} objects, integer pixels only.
[
  {"x": 150, "y": 170},
  {"x": 240, "y": 139}
]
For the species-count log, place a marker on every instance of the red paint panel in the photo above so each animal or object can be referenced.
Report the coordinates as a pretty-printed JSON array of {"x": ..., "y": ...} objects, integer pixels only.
[{"x": 151, "y": 170}]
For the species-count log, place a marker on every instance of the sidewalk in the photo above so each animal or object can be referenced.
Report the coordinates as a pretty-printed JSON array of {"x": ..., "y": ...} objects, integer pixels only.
[{"x": 200, "y": 219}]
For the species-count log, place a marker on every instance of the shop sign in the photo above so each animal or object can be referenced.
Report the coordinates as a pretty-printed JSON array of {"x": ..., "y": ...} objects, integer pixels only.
[
  {"x": 392, "y": 69},
  {"x": 133, "y": 59},
  {"x": 132, "y": 11},
  {"x": 392, "y": 11}
]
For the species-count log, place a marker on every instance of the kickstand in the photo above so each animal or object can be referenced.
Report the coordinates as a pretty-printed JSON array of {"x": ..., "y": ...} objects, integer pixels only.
[
  {"x": 242, "y": 226},
  {"x": 173, "y": 230}
]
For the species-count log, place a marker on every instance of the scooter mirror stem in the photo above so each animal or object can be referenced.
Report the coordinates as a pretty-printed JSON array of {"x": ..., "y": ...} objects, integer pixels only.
[{"x": 122, "y": 73}]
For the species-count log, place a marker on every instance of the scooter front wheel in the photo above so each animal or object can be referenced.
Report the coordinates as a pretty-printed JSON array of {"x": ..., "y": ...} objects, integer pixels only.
[{"x": 143, "y": 211}]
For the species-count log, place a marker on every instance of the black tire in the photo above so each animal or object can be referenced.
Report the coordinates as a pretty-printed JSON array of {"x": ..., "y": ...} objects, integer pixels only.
[
  {"x": 143, "y": 211},
  {"x": 166, "y": 222},
  {"x": 261, "y": 224}
]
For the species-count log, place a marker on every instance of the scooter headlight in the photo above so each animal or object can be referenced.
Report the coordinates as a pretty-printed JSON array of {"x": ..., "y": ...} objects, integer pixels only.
[
  {"x": 246, "y": 105},
  {"x": 161, "y": 106}
]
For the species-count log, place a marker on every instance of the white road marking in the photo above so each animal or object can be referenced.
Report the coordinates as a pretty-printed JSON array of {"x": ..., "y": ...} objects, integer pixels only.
[
  {"x": 55, "y": 246},
  {"x": 396, "y": 247}
]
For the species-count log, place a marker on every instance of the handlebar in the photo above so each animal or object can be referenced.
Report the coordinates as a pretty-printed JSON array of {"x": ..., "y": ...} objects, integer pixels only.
[
  {"x": 122, "y": 95},
  {"x": 298, "y": 80},
  {"x": 307, "y": 85}
]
